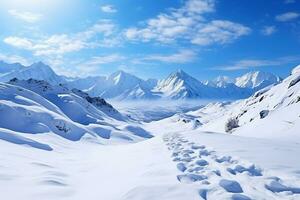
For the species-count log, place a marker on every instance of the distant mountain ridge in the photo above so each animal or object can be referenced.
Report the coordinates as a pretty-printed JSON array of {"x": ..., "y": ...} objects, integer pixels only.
[
  {"x": 257, "y": 80},
  {"x": 124, "y": 86}
]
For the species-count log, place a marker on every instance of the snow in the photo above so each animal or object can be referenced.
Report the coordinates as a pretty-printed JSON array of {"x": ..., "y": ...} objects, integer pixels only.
[
  {"x": 257, "y": 80},
  {"x": 41, "y": 108},
  {"x": 296, "y": 69},
  {"x": 39, "y": 71},
  {"x": 124, "y": 86},
  {"x": 63, "y": 143}
]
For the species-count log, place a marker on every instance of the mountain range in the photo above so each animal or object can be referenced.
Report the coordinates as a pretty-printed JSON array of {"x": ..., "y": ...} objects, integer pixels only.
[{"x": 124, "y": 86}]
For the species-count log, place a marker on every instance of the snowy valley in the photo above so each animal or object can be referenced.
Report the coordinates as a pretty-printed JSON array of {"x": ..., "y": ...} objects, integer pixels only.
[{"x": 177, "y": 138}]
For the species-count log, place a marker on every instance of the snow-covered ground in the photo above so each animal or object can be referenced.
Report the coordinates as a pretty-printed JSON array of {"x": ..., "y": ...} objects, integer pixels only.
[
  {"x": 148, "y": 111},
  {"x": 57, "y": 143}
]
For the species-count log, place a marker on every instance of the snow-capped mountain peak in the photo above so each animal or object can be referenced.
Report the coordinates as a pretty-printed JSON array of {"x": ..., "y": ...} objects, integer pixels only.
[
  {"x": 221, "y": 81},
  {"x": 180, "y": 85},
  {"x": 38, "y": 71},
  {"x": 257, "y": 80},
  {"x": 121, "y": 77}
]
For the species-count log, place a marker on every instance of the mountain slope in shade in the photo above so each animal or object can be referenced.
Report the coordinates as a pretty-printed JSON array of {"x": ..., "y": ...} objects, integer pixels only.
[
  {"x": 38, "y": 71},
  {"x": 257, "y": 80},
  {"x": 6, "y": 67}
]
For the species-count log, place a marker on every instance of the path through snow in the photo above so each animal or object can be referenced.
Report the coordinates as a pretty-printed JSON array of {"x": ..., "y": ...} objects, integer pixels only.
[{"x": 222, "y": 175}]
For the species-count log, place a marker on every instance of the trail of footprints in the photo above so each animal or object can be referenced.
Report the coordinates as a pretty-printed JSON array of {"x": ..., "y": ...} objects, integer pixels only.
[{"x": 219, "y": 176}]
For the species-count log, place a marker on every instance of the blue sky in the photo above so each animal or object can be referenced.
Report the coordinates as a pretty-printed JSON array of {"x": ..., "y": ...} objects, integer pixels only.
[{"x": 205, "y": 38}]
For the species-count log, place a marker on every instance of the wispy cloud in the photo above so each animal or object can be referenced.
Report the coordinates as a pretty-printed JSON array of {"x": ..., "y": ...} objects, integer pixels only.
[
  {"x": 188, "y": 23},
  {"x": 268, "y": 30},
  {"x": 183, "y": 56},
  {"x": 289, "y": 16},
  {"x": 14, "y": 59},
  {"x": 59, "y": 44},
  {"x": 22, "y": 43},
  {"x": 219, "y": 32},
  {"x": 104, "y": 59},
  {"x": 108, "y": 9},
  {"x": 253, "y": 63},
  {"x": 90, "y": 66},
  {"x": 26, "y": 16}
]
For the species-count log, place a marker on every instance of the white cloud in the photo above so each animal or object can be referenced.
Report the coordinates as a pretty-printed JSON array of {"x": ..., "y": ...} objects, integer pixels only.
[
  {"x": 109, "y": 9},
  {"x": 188, "y": 23},
  {"x": 268, "y": 30},
  {"x": 99, "y": 60},
  {"x": 90, "y": 66},
  {"x": 26, "y": 16},
  {"x": 219, "y": 31},
  {"x": 59, "y": 44},
  {"x": 18, "y": 42},
  {"x": 14, "y": 59},
  {"x": 253, "y": 63},
  {"x": 183, "y": 56},
  {"x": 289, "y": 16}
]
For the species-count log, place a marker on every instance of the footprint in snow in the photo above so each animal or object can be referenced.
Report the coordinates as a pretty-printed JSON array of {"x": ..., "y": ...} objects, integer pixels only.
[
  {"x": 181, "y": 167},
  {"x": 231, "y": 186},
  {"x": 276, "y": 187},
  {"x": 251, "y": 170},
  {"x": 190, "y": 178},
  {"x": 202, "y": 162}
]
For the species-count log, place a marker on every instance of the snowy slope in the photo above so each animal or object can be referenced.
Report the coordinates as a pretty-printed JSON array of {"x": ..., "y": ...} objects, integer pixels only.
[
  {"x": 186, "y": 159},
  {"x": 39, "y": 107},
  {"x": 257, "y": 160},
  {"x": 272, "y": 112}
]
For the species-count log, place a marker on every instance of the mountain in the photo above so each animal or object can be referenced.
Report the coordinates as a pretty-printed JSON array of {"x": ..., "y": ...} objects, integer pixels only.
[
  {"x": 120, "y": 82},
  {"x": 6, "y": 67},
  {"x": 86, "y": 83},
  {"x": 121, "y": 85},
  {"x": 257, "y": 80},
  {"x": 124, "y": 86},
  {"x": 38, "y": 71},
  {"x": 180, "y": 85},
  {"x": 39, "y": 107},
  {"x": 272, "y": 112},
  {"x": 220, "y": 81}
]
